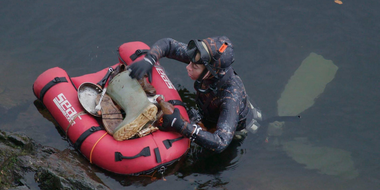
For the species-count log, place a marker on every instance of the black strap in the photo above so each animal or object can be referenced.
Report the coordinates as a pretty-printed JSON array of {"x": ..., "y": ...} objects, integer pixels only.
[
  {"x": 215, "y": 86},
  {"x": 53, "y": 82},
  {"x": 144, "y": 152},
  {"x": 84, "y": 135},
  {"x": 158, "y": 156},
  {"x": 168, "y": 142},
  {"x": 138, "y": 53},
  {"x": 122, "y": 60},
  {"x": 177, "y": 103}
]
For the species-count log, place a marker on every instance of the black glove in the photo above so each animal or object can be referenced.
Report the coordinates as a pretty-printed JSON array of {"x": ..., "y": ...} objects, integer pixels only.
[
  {"x": 172, "y": 121},
  {"x": 140, "y": 68}
]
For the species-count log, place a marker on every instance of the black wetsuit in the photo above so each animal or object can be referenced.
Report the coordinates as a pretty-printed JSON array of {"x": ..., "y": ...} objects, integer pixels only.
[{"x": 227, "y": 109}]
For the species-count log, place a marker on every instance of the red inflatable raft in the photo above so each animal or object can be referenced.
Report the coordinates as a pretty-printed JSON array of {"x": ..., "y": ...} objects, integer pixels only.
[{"x": 58, "y": 92}]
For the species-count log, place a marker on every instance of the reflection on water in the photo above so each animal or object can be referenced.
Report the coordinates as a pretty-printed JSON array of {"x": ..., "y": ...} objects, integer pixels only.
[
  {"x": 271, "y": 40},
  {"x": 326, "y": 160},
  {"x": 213, "y": 164},
  {"x": 187, "y": 97},
  {"x": 46, "y": 114}
]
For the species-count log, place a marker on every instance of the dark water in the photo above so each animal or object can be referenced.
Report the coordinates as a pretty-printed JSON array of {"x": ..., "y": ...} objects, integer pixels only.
[{"x": 271, "y": 39}]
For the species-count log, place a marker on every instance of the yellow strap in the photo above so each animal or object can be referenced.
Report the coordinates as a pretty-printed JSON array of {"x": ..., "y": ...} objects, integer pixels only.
[{"x": 93, "y": 147}]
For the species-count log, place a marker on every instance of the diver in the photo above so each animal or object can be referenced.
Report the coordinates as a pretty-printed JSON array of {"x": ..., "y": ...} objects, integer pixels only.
[{"x": 224, "y": 106}]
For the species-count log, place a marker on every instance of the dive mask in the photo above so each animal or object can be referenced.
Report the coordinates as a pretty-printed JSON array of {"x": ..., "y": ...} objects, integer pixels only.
[{"x": 197, "y": 46}]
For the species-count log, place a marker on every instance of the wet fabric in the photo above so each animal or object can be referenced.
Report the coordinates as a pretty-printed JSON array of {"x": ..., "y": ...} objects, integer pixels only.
[{"x": 227, "y": 109}]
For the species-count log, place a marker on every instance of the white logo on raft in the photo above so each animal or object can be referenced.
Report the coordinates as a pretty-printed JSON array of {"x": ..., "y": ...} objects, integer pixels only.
[
  {"x": 66, "y": 108},
  {"x": 168, "y": 83}
]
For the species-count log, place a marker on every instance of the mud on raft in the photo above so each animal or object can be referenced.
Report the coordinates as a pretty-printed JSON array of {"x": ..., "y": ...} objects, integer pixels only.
[{"x": 59, "y": 93}]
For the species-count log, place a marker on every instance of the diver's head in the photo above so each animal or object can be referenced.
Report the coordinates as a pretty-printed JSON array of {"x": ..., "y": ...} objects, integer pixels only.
[
  {"x": 195, "y": 70},
  {"x": 215, "y": 53}
]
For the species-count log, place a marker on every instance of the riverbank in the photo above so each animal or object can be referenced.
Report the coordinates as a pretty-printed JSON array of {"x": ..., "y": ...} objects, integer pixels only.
[{"x": 24, "y": 164}]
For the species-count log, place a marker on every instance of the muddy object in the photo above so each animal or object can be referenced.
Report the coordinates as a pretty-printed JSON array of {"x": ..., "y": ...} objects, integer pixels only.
[
  {"x": 146, "y": 130},
  {"x": 166, "y": 107},
  {"x": 111, "y": 115},
  {"x": 118, "y": 69},
  {"x": 130, "y": 96},
  {"x": 87, "y": 93},
  {"x": 147, "y": 87}
]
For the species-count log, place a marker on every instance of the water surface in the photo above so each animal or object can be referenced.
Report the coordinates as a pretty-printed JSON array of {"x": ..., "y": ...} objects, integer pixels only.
[{"x": 271, "y": 40}]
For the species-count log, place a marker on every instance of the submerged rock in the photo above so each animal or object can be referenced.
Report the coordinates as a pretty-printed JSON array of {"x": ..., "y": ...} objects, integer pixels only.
[{"x": 27, "y": 165}]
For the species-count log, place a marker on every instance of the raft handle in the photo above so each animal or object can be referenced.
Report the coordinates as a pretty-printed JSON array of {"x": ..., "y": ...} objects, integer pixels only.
[
  {"x": 144, "y": 152},
  {"x": 138, "y": 53},
  {"x": 168, "y": 142}
]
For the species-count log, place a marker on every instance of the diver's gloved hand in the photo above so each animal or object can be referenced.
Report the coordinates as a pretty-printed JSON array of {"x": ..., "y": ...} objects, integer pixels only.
[
  {"x": 172, "y": 121},
  {"x": 140, "y": 68}
]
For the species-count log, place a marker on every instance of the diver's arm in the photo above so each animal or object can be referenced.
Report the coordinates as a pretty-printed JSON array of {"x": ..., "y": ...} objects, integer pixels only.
[
  {"x": 166, "y": 47},
  {"x": 217, "y": 141},
  {"x": 170, "y": 48},
  {"x": 225, "y": 128}
]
